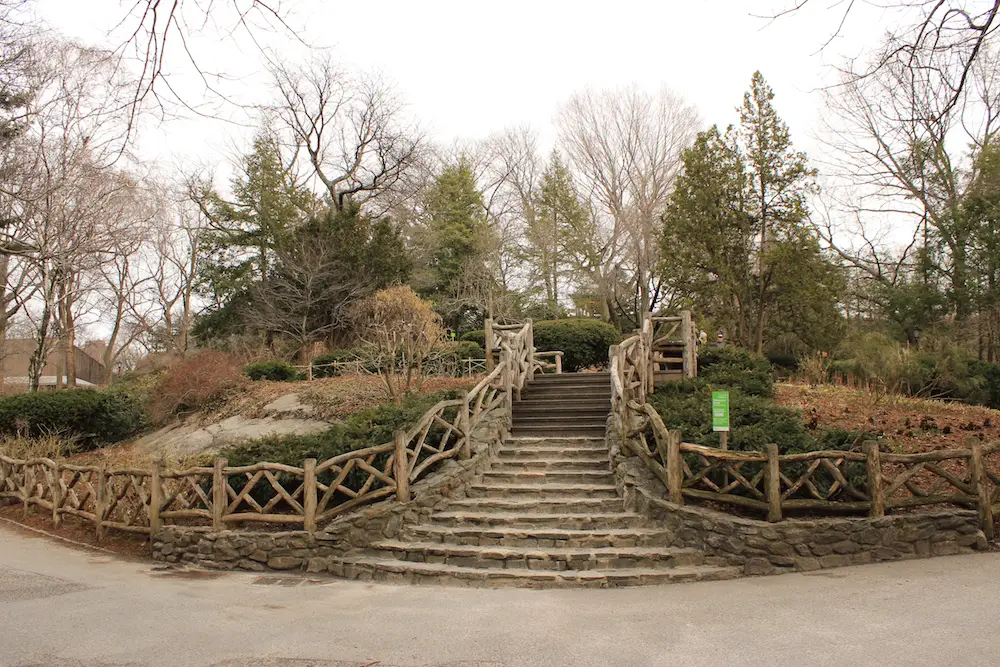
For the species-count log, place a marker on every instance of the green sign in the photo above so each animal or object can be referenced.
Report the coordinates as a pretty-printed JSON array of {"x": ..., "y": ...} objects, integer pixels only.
[{"x": 720, "y": 410}]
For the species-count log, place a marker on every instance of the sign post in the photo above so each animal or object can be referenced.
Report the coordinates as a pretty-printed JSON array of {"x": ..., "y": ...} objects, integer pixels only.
[{"x": 720, "y": 416}]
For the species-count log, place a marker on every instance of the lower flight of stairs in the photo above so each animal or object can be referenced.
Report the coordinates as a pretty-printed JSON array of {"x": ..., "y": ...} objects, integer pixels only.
[{"x": 547, "y": 515}]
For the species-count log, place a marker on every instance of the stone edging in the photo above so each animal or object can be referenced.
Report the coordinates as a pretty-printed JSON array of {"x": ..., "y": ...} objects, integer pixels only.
[
  {"x": 324, "y": 550},
  {"x": 793, "y": 544}
]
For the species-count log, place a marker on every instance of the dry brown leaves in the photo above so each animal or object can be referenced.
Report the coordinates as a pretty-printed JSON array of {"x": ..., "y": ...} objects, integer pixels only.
[{"x": 909, "y": 425}]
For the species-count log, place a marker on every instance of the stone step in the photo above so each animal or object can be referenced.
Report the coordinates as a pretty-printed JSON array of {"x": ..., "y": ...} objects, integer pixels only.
[
  {"x": 540, "y": 536},
  {"x": 555, "y": 463},
  {"x": 537, "y": 558},
  {"x": 537, "y": 505},
  {"x": 576, "y": 521},
  {"x": 550, "y": 476},
  {"x": 545, "y": 453},
  {"x": 548, "y": 430},
  {"x": 575, "y": 379},
  {"x": 595, "y": 419},
  {"x": 589, "y": 392},
  {"x": 501, "y": 490},
  {"x": 405, "y": 572},
  {"x": 572, "y": 410}
]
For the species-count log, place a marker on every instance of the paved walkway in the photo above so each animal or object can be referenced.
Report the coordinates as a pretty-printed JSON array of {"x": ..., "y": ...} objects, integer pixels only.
[{"x": 68, "y": 608}]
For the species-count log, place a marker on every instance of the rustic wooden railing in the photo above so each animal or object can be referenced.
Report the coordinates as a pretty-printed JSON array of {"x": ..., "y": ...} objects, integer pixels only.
[
  {"x": 869, "y": 481},
  {"x": 527, "y": 359},
  {"x": 142, "y": 501}
]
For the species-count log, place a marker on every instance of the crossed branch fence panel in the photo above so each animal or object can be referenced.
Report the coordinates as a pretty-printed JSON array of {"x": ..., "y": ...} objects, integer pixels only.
[
  {"x": 868, "y": 481},
  {"x": 141, "y": 501}
]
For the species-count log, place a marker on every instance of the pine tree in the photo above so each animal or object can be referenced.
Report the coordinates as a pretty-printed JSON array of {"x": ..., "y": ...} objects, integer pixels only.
[
  {"x": 555, "y": 220},
  {"x": 735, "y": 237}
]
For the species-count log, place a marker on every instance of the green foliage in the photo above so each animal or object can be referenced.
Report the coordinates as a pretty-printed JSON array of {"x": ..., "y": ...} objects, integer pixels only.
[
  {"x": 453, "y": 248},
  {"x": 554, "y": 220},
  {"x": 366, "y": 428},
  {"x": 584, "y": 342},
  {"x": 736, "y": 236},
  {"x": 735, "y": 367},
  {"x": 266, "y": 204},
  {"x": 90, "y": 417},
  {"x": 464, "y": 349},
  {"x": 477, "y": 336},
  {"x": 274, "y": 370},
  {"x": 321, "y": 369}
]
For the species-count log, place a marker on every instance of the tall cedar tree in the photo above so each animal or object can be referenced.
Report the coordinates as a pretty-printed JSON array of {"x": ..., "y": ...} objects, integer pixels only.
[
  {"x": 557, "y": 218},
  {"x": 735, "y": 236},
  {"x": 455, "y": 243}
]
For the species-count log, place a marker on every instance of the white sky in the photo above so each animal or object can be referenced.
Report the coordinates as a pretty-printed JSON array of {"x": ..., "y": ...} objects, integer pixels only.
[{"x": 470, "y": 68}]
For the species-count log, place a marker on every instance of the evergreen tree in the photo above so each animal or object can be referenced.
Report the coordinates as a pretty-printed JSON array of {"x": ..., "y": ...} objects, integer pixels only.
[
  {"x": 553, "y": 224},
  {"x": 266, "y": 205},
  {"x": 735, "y": 236},
  {"x": 455, "y": 245}
]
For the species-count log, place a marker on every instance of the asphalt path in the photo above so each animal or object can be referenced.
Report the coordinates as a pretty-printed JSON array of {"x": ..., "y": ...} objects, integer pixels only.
[{"x": 71, "y": 607}]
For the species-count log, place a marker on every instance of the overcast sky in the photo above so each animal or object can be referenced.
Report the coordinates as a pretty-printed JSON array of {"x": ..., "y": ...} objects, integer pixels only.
[{"x": 467, "y": 69}]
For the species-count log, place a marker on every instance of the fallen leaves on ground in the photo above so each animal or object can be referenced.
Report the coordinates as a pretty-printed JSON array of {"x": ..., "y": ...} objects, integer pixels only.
[{"x": 909, "y": 425}]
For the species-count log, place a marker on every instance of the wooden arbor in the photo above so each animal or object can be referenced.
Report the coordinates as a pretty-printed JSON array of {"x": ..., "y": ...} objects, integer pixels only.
[{"x": 673, "y": 348}]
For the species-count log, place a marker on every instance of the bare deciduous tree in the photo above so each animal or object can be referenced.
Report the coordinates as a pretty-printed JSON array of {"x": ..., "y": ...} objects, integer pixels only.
[
  {"x": 348, "y": 127},
  {"x": 624, "y": 147}
]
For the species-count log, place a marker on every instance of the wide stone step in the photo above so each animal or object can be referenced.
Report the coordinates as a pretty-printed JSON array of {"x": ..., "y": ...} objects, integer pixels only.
[
  {"x": 576, "y": 521},
  {"x": 595, "y": 419},
  {"x": 548, "y": 430},
  {"x": 554, "y": 463},
  {"x": 538, "y": 558},
  {"x": 550, "y": 476},
  {"x": 502, "y": 490},
  {"x": 538, "y": 505},
  {"x": 404, "y": 572},
  {"x": 569, "y": 410},
  {"x": 565, "y": 392},
  {"x": 546, "y": 453},
  {"x": 540, "y": 536}
]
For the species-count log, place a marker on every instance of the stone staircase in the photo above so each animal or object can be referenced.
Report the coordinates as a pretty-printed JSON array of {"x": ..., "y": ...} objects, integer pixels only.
[{"x": 546, "y": 515}]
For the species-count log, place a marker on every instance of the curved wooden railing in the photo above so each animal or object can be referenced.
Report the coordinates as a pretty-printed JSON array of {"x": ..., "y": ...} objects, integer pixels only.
[
  {"x": 868, "y": 481},
  {"x": 142, "y": 501}
]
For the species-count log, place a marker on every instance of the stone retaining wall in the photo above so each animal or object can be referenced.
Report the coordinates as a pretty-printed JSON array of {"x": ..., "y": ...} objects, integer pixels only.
[
  {"x": 318, "y": 552},
  {"x": 793, "y": 544}
]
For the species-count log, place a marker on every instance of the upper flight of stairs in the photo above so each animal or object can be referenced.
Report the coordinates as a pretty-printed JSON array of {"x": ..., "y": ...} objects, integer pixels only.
[
  {"x": 564, "y": 405},
  {"x": 546, "y": 515}
]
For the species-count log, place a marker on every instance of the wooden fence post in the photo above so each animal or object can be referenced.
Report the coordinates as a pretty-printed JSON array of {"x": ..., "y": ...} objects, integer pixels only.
[
  {"x": 489, "y": 345},
  {"x": 219, "y": 496},
  {"x": 979, "y": 481},
  {"x": 401, "y": 467},
  {"x": 675, "y": 468},
  {"x": 101, "y": 501},
  {"x": 558, "y": 364},
  {"x": 465, "y": 420},
  {"x": 25, "y": 491},
  {"x": 309, "y": 498},
  {"x": 508, "y": 384},
  {"x": 57, "y": 495},
  {"x": 155, "y": 499},
  {"x": 873, "y": 462},
  {"x": 530, "y": 342},
  {"x": 772, "y": 483}
]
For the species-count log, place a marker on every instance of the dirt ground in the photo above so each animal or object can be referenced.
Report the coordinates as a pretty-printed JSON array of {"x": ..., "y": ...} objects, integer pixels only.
[
  {"x": 908, "y": 425},
  {"x": 75, "y": 532}
]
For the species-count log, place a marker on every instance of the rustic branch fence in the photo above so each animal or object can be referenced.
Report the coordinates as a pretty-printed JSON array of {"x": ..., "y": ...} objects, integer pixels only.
[
  {"x": 142, "y": 501},
  {"x": 869, "y": 481}
]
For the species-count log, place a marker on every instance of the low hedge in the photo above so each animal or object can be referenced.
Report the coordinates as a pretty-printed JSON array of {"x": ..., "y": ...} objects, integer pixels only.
[
  {"x": 735, "y": 367},
  {"x": 584, "y": 342},
  {"x": 365, "y": 428},
  {"x": 274, "y": 370},
  {"x": 89, "y": 417}
]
